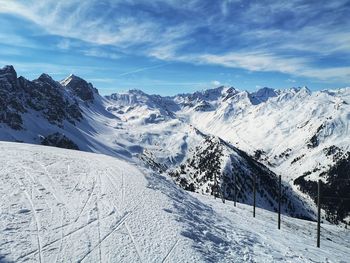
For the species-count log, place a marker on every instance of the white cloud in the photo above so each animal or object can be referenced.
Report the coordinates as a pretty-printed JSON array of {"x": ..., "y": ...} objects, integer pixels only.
[
  {"x": 254, "y": 61},
  {"x": 73, "y": 19},
  {"x": 50, "y": 68},
  {"x": 215, "y": 83},
  {"x": 95, "y": 52},
  {"x": 140, "y": 35},
  {"x": 268, "y": 62},
  {"x": 328, "y": 74}
]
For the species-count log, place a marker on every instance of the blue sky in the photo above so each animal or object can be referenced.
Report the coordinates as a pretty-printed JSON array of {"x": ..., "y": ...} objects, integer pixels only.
[{"x": 173, "y": 46}]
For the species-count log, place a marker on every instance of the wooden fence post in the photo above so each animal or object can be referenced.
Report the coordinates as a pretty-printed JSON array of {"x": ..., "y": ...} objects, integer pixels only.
[
  {"x": 254, "y": 195},
  {"x": 319, "y": 213},
  {"x": 279, "y": 202},
  {"x": 235, "y": 188},
  {"x": 214, "y": 186}
]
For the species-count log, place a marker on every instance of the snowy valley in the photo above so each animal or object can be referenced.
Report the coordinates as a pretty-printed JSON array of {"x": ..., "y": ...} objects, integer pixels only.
[{"x": 201, "y": 142}]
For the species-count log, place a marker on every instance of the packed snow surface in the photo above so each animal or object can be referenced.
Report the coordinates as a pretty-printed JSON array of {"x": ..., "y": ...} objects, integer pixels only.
[{"x": 69, "y": 206}]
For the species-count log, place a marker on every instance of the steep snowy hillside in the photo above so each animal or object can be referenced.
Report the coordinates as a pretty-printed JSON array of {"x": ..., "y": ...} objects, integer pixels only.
[
  {"x": 214, "y": 167},
  {"x": 32, "y": 110},
  {"x": 203, "y": 140},
  {"x": 144, "y": 128},
  {"x": 299, "y": 134},
  {"x": 70, "y": 114},
  {"x": 296, "y": 133},
  {"x": 196, "y": 161},
  {"x": 61, "y": 205}
]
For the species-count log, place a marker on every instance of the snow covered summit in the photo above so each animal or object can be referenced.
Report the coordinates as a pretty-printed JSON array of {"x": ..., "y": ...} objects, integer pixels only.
[{"x": 302, "y": 135}]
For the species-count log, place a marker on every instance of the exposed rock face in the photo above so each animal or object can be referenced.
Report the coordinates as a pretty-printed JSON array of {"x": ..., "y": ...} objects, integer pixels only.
[
  {"x": 11, "y": 107},
  {"x": 80, "y": 88},
  {"x": 203, "y": 106},
  {"x": 314, "y": 140},
  {"x": 262, "y": 95},
  {"x": 293, "y": 132},
  {"x": 59, "y": 140},
  {"x": 44, "y": 95},
  {"x": 9, "y": 74}
]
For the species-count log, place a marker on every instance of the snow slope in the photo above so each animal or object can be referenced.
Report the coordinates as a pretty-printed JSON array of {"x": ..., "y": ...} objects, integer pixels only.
[
  {"x": 133, "y": 125},
  {"x": 302, "y": 135},
  {"x": 299, "y": 134},
  {"x": 61, "y": 205},
  {"x": 284, "y": 124}
]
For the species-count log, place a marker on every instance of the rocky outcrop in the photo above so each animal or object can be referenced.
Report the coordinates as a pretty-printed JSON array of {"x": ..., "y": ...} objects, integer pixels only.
[
  {"x": 11, "y": 107},
  {"x": 59, "y": 140},
  {"x": 43, "y": 95},
  {"x": 80, "y": 88}
]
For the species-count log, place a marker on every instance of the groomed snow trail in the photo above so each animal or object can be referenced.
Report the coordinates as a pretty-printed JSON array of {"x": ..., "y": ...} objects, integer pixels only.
[
  {"x": 99, "y": 209},
  {"x": 68, "y": 206}
]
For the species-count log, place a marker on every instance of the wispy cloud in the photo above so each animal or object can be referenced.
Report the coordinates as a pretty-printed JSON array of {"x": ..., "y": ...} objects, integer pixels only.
[
  {"x": 32, "y": 68},
  {"x": 254, "y": 61},
  {"x": 76, "y": 19},
  {"x": 95, "y": 52},
  {"x": 215, "y": 83},
  {"x": 298, "y": 38},
  {"x": 259, "y": 61},
  {"x": 142, "y": 69}
]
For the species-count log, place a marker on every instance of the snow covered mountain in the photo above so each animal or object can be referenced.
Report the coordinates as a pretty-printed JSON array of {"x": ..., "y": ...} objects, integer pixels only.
[
  {"x": 202, "y": 140},
  {"x": 61, "y": 205},
  {"x": 300, "y": 134}
]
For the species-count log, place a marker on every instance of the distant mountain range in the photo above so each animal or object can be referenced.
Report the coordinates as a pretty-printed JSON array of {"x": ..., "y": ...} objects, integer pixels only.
[{"x": 203, "y": 140}]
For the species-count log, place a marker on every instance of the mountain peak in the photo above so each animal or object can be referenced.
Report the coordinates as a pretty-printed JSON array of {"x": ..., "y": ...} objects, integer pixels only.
[
  {"x": 9, "y": 72},
  {"x": 305, "y": 89},
  {"x": 45, "y": 77},
  {"x": 262, "y": 95},
  {"x": 70, "y": 78},
  {"x": 303, "y": 92},
  {"x": 79, "y": 87},
  {"x": 136, "y": 92},
  {"x": 8, "y": 68},
  {"x": 265, "y": 90}
]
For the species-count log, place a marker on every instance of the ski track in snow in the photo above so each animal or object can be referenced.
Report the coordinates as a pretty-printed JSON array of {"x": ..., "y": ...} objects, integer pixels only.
[
  {"x": 61, "y": 243},
  {"x": 106, "y": 236},
  {"x": 171, "y": 250},
  {"x": 125, "y": 224},
  {"x": 37, "y": 225},
  {"x": 63, "y": 206}
]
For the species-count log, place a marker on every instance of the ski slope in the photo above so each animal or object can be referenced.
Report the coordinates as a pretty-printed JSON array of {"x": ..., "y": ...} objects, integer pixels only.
[
  {"x": 294, "y": 132},
  {"x": 61, "y": 205}
]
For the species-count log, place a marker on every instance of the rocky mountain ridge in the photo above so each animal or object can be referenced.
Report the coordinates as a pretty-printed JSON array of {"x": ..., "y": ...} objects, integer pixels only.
[{"x": 299, "y": 134}]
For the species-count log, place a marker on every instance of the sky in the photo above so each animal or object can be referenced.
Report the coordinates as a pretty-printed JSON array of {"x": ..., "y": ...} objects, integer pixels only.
[{"x": 178, "y": 46}]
